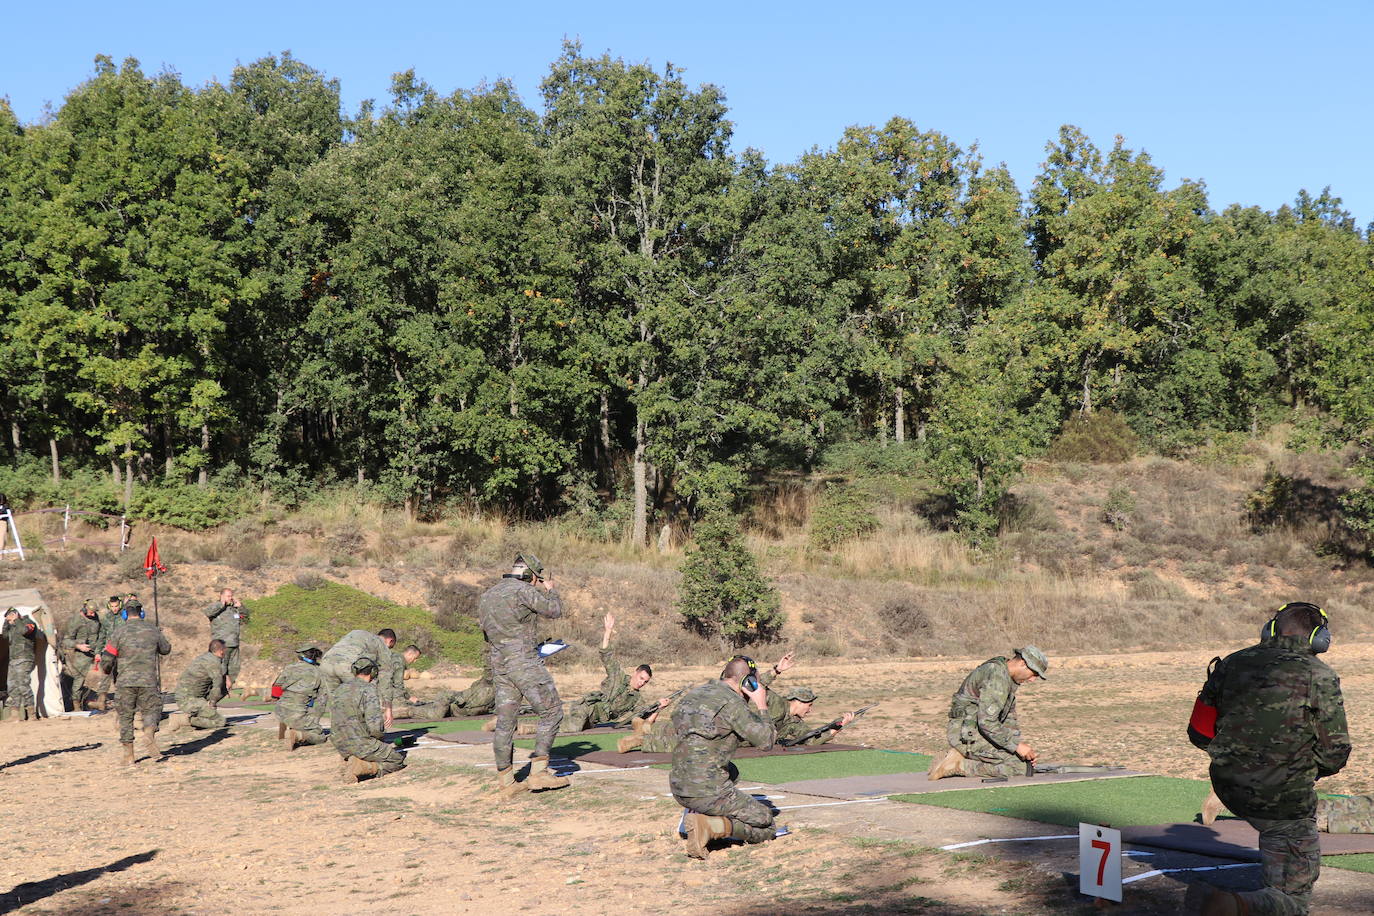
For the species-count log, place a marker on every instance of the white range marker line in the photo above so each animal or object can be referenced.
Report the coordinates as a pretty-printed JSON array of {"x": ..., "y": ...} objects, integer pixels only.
[
  {"x": 1011, "y": 839},
  {"x": 610, "y": 770},
  {"x": 1168, "y": 871},
  {"x": 856, "y": 801}
]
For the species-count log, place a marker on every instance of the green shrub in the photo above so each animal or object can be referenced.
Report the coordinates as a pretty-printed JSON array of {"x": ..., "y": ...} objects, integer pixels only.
[
  {"x": 188, "y": 506},
  {"x": 1102, "y": 437},
  {"x": 293, "y": 615},
  {"x": 722, "y": 593},
  {"x": 842, "y": 513},
  {"x": 1268, "y": 505},
  {"x": 864, "y": 457},
  {"x": 1119, "y": 507}
]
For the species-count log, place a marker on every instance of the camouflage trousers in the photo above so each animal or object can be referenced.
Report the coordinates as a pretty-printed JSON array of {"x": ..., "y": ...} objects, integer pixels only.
[
  {"x": 388, "y": 757},
  {"x": 230, "y": 663},
  {"x": 421, "y": 712},
  {"x": 200, "y": 711},
  {"x": 331, "y": 676},
  {"x": 583, "y": 715},
  {"x": 304, "y": 719},
  {"x": 750, "y": 819},
  {"x": 518, "y": 674},
  {"x": 146, "y": 702},
  {"x": 981, "y": 756},
  {"x": 661, "y": 738},
  {"x": 75, "y": 666},
  {"x": 1346, "y": 814},
  {"x": 1290, "y": 860},
  {"x": 17, "y": 682}
]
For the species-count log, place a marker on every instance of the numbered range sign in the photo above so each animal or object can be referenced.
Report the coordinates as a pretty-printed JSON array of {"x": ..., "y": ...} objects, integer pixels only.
[{"x": 1099, "y": 861}]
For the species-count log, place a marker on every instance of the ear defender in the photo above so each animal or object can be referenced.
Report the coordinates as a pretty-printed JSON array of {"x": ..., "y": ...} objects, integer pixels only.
[{"x": 1320, "y": 637}]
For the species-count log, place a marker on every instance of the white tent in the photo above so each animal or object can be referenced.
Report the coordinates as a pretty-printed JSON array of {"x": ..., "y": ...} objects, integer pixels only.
[{"x": 47, "y": 688}]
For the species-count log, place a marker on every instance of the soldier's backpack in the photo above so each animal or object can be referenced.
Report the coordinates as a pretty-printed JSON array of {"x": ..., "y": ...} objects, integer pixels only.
[{"x": 1202, "y": 724}]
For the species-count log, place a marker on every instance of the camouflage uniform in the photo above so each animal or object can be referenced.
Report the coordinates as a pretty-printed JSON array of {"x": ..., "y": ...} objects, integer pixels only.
[
  {"x": 109, "y": 622},
  {"x": 355, "y": 726},
  {"x": 75, "y": 663},
  {"x": 1346, "y": 814},
  {"x": 137, "y": 644},
  {"x": 613, "y": 702},
  {"x": 337, "y": 665},
  {"x": 982, "y": 721},
  {"x": 224, "y": 624},
  {"x": 1280, "y": 727},
  {"x": 199, "y": 688},
  {"x": 509, "y": 612},
  {"x": 714, "y": 721},
  {"x": 790, "y": 727},
  {"x": 21, "y": 636},
  {"x": 301, "y": 682}
]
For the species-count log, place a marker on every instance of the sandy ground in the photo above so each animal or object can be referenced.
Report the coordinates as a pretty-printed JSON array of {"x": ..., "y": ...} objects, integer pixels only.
[{"x": 227, "y": 822}]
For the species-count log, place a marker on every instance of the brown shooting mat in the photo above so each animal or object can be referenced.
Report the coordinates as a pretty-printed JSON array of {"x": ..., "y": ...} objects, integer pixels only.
[
  {"x": 1232, "y": 838},
  {"x": 481, "y": 737},
  {"x": 867, "y": 786},
  {"x": 643, "y": 758}
]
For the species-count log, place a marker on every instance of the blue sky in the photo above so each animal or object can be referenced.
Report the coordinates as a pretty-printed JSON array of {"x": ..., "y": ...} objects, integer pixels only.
[{"x": 1258, "y": 99}]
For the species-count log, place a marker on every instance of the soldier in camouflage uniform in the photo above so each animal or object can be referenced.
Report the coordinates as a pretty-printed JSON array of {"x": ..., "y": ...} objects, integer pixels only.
[
  {"x": 478, "y": 699},
  {"x": 21, "y": 633},
  {"x": 80, "y": 643},
  {"x": 618, "y": 697},
  {"x": 1280, "y": 727},
  {"x": 336, "y": 667},
  {"x": 509, "y": 613},
  {"x": 401, "y": 706},
  {"x": 109, "y": 621},
  {"x": 138, "y": 689},
  {"x": 199, "y": 688},
  {"x": 984, "y": 736},
  {"x": 226, "y": 617},
  {"x": 298, "y": 706},
  {"x": 355, "y": 725},
  {"x": 788, "y": 709},
  {"x": 714, "y": 720}
]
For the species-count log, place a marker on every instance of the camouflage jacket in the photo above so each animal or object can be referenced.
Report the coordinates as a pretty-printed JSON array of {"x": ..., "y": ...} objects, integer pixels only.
[
  {"x": 988, "y": 697},
  {"x": 21, "y": 636},
  {"x": 137, "y": 644},
  {"x": 203, "y": 678},
  {"x": 300, "y": 683},
  {"x": 354, "y": 711},
  {"x": 621, "y": 701},
  {"x": 82, "y": 629},
  {"x": 224, "y": 623},
  {"x": 1280, "y": 727},
  {"x": 390, "y": 682},
  {"x": 509, "y": 612},
  {"x": 108, "y": 624},
  {"x": 713, "y": 721},
  {"x": 790, "y": 727},
  {"x": 480, "y": 694}
]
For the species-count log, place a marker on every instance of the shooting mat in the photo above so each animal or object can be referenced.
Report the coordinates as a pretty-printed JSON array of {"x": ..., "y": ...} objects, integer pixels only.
[
  {"x": 1232, "y": 838},
  {"x": 917, "y": 783},
  {"x": 643, "y": 758}
]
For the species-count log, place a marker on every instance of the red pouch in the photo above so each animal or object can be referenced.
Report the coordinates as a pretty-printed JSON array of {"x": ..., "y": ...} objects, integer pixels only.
[
  {"x": 276, "y": 691},
  {"x": 1202, "y": 725}
]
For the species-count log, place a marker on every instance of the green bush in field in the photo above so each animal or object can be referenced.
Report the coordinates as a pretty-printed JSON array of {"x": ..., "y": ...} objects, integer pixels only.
[
  {"x": 842, "y": 513},
  {"x": 1102, "y": 436},
  {"x": 1119, "y": 508},
  {"x": 723, "y": 594},
  {"x": 280, "y": 623}
]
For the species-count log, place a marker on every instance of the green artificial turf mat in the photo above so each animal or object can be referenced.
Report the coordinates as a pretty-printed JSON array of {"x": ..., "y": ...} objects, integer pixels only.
[
  {"x": 1126, "y": 802},
  {"x": 781, "y": 769},
  {"x": 1359, "y": 861},
  {"x": 577, "y": 745}
]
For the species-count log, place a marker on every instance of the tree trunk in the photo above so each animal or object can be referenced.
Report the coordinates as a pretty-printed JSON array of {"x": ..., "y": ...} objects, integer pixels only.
[
  {"x": 640, "y": 529},
  {"x": 167, "y": 450},
  {"x": 56, "y": 470},
  {"x": 203, "y": 479},
  {"x": 128, "y": 482},
  {"x": 920, "y": 429},
  {"x": 115, "y": 475},
  {"x": 604, "y": 443},
  {"x": 899, "y": 414},
  {"x": 362, "y": 476},
  {"x": 14, "y": 438}
]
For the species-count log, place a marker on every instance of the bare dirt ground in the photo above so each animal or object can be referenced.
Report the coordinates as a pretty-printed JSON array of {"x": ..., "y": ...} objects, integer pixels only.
[{"x": 227, "y": 822}]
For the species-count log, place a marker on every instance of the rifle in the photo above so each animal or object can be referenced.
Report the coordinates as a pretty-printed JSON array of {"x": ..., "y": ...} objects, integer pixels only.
[
  {"x": 647, "y": 711},
  {"x": 1062, "y": 768},
  {"x": 817, "y": 732}
]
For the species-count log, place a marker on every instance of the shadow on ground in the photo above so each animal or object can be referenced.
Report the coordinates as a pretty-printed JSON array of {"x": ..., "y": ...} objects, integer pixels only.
[
  {"x": 32, "y": 758},
  {"x": 34, "y": 891}
]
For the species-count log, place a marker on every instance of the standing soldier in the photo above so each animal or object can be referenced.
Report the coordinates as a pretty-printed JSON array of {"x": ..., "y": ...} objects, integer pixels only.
[
  {"x": 299, "y": 702},
  {"x": 80, "y": 642},
  {"x": 21, "y": 633},
  {"x": 199, "y": 688},
  {"x": 618, "y": 697},
  {"x": 112, "y": 619},
  {"x": 336, "y": 667},
  {"x": 225, "y": 617},
  {"x": 138, "y": 689},
  {"x": 714, "y": 720},
  {"x": 355, "y": 725},
  {"x": 1280, "y": 727},
  {"x": 983, "y": 732},
  {"x": 509, "y": 612}
]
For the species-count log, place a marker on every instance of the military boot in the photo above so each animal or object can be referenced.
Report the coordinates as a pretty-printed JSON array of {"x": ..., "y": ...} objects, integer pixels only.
[
  {"x": 31, "y": 713},
  {"x": 150, "y": 745},
  {"x": 702, "y": 829},
  {"x": 177, "y": 721},
  {"x": 952, "y": 764},
  {"x": 526, "y": 728},
  {"x": 128, "y": 754},
  {"x": 1211, "y": 808},
  {"x": 281, "y": 730},
  {"x": 639, "y": 724},
  {"x": 508, "y": 785},
  {"x": 361, "y": 769},
  {"x": 542, "y": 778},
  {"x": 489, "y": 725},
  {"x": 629, "y": 743},
  {"x": 1205, "y": 900},
  {"x": 293, "y": 740}
]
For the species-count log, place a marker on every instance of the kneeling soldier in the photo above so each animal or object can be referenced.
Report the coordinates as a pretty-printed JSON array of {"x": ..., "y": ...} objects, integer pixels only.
[
  {"x": 984, "y": 736},
  {"x": 355, "y": 725},
  {"x": 199, "y": 688},
  {"x": 298, "y": 689}
]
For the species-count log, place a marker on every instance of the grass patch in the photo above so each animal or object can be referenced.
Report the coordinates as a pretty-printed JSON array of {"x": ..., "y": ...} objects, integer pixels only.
[
  {"x": 1359, "y": 861},
  {"x": 781, "y": 769},
  {"x": 294, "y": 615},
  {"x": 577, "y": 745},
  {"x": 1125, "y": 802}
]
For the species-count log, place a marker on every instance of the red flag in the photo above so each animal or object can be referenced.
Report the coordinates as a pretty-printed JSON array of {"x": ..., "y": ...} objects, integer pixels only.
[{"x": 152, "y": 564}]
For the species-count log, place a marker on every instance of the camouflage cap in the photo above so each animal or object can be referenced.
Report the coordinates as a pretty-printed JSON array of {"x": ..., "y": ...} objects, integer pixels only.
[
  {"x": 1035, "y": 659},
  {"x": 531, "y": 561},
  {"x": 362, "y": 663},
  {"x": 800, "y": 694},
  {"x": 304, "y": 649}
]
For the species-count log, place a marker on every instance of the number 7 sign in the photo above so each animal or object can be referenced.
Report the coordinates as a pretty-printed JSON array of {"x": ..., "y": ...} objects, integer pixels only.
[{"x": 1099, "y": 861}]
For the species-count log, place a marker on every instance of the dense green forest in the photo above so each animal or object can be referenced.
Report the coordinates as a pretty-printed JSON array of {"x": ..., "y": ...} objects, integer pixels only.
[{"x": 457, "y": 300}]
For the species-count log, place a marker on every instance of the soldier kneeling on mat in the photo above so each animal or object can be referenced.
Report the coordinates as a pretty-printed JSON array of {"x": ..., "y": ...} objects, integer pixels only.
[
  {"x": 199, "y": 688},
  {"x": 297, "y": 689},
  {"x": 714, "y": 720},
  {"x": 984, "y": 735},
  {"x": 356, "y": 725}
]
